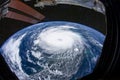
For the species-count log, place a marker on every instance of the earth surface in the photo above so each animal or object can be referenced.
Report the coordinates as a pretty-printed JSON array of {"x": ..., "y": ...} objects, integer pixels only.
[{"x": 55, "y": 50}]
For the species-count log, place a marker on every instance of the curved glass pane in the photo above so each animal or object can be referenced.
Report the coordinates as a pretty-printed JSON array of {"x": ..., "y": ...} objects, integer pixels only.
[{"x": 66, "y": 45}]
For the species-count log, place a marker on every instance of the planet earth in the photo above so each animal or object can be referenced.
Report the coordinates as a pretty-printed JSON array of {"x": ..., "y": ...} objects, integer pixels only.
[{"x": 56, "y": 50}]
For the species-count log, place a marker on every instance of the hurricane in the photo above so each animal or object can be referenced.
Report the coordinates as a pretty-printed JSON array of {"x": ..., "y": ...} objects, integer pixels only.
[{"x": 53, "y": 51}]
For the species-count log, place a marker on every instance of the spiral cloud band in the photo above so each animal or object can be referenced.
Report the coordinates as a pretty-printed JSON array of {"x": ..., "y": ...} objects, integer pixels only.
[{"x": 59, "y": 38}]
